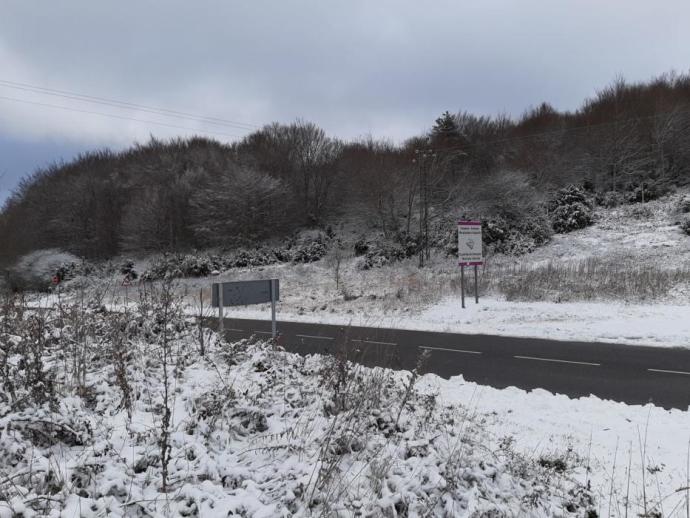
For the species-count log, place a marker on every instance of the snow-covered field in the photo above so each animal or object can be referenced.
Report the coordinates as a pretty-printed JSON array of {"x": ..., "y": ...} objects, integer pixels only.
[{"x": 247, "y": 430}]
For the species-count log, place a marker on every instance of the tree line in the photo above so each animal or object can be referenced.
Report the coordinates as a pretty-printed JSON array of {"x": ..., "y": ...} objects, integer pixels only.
[{"x": 630, "y": 140}]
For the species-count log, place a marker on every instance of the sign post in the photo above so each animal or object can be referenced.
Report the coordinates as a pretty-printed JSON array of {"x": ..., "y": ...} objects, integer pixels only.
[
  {"x": 221, "y": 326},
  {"x": 274, "y": 293},
  {"x": 470, "y": 253},
  {"x": 243, "y": 293}
]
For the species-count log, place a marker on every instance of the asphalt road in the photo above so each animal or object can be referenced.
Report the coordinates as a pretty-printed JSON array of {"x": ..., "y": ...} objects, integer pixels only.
[{"x": 627, "y": 373}]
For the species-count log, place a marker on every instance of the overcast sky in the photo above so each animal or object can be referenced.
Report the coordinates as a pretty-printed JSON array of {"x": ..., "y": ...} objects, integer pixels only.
[{"x": 356, "y": 67}]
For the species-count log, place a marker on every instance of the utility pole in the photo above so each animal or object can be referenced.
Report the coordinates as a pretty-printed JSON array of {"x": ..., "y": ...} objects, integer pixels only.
[{"x": 424, "y": 159}]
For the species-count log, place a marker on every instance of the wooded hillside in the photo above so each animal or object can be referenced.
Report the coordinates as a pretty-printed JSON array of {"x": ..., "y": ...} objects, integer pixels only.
[{"x": 629, "y": 143}]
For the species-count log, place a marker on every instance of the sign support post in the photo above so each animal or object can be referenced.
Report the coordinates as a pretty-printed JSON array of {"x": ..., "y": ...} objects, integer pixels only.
[
  {"x": 470, "y": 253},
  {"x": 273, "y": 308},
  {"x": 476, "y": 286},
  {"x": 221, "y": 326}
]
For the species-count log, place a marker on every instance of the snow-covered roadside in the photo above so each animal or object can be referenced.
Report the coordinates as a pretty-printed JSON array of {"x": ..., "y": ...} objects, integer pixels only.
[
  {"x": 248, "y": 421},
  {"x": 635, "y": 324},
  {"x": 654, "y": 442},
  {"x": 656, "y": 325},
  {"x": 247, "y": 430}
]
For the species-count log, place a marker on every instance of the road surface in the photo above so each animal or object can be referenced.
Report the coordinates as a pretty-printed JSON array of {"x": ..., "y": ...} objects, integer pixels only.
[{"x": 627, "y": 373}]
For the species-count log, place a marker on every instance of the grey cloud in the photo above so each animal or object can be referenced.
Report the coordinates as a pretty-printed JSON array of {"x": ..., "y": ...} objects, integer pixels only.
[{"x": 386, "y": 68}]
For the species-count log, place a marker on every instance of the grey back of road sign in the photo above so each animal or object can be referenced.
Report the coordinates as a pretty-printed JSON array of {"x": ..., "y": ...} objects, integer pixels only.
[{"x": 242, "y": 293}]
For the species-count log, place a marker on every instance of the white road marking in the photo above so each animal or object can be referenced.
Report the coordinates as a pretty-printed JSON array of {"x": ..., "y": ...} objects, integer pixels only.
[
  {"x": 669, "y": 372},
  {"x": 450, "y": 350},
  {"x": 236, "y": 330},
  {"x": 264, "y": 332},
  {"x": 316, "y": 337},
  {"x": 373, "y": 342},
  {"x": 556, "y": 361}
]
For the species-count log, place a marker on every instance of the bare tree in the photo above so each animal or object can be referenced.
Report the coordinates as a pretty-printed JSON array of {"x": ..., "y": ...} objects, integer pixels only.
[{"x": 239, "y": 206}]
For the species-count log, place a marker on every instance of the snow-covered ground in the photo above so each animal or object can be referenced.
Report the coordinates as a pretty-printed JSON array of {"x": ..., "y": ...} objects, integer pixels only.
[
  {"x": 648, "y": 233},
  {"x": 643, "y": 238},
  {"x": 640, "y": 451},
  {"x": 635, "y": 324},
  {"x": 251, "y": 429},
  {"x": 258, "y": 432}
]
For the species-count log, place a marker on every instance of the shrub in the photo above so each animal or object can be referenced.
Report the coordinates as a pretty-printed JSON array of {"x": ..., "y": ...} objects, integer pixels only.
[
  {"x": 685, "y": 225},
  {"x": 173, "y": 266},
  {"x": 361, "y": 247},
  {"x": 36, "y": 270},
  {"x": 648, "y": 191},
  {"x": 568, "y": 196},
  {"x": 610, "y": 199},
  {"x": 309, "y": 253},
  {"x": 567, "y": 218},
  {"x": 684, "y": 205},
  {"x": 381, "y": 254},
  {"x": 127, "y": 268},
  {"x": 517, "y": 237},
  {"x": 570, "y": 209},
  {"x": 257, "y": 257},
  {"x": 640, "y": 212}
]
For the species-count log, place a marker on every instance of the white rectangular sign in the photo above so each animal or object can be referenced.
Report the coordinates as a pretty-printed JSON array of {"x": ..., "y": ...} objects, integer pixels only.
[{"x": 470, "y": 251}]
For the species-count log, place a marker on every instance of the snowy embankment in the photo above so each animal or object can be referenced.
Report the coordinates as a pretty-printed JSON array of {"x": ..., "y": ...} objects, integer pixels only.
[
  {"x": 86, "y": 430},
  {"x": 625, "y": 279}
]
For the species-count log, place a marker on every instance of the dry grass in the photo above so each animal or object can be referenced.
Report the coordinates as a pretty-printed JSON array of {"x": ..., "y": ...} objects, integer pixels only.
[{"x": 586, "y": 280}]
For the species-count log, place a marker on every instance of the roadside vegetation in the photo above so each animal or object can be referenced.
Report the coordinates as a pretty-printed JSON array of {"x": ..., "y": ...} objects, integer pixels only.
[{"x": 127, "y": 414}]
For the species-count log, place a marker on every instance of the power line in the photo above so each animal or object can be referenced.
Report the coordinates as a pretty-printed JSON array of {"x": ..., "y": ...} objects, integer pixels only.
[
  {"x": 125, "y": 104},
  {"x": 121, "y": 117}
]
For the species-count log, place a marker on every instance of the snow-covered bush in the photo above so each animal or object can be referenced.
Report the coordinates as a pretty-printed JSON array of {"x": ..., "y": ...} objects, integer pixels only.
[
  {"x": 648, "y": 191},
  {"x": 127, "y": 268},
  {"x": 36, "y": 270},
  {"x": 174, "y": 266},
  {"x": 574, "y": 216},
  {"x": 685, "y": 225},
  {"x": 515, "y": 237},
  {"x": 382, "y": 253},
  {"x": 378, "y": 251},
  {"x": 639, "y": 211},
  {"x": 610, "y": 199},
  {"x": 570, "y": 209},
  {"x": 256, "y": 257},
  {"x": 683, "y": 205},
  {"x": 309, "y": 253}
]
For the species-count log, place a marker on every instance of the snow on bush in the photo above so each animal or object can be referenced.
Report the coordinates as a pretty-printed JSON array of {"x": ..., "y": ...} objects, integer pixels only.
[
  {"x": 683, "y": 205},
  {"x": 175, "y": 266},
  {"x": 119, "y": 415},
  {"x": 35, "y": 271},
  {"x": 570, "y": 210},
  {"x": 380, "y": 251},
  {"x": 610, "y": 199},
  {"x": 515, "y": 237},
  {"x": 685, "y": 225}
]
